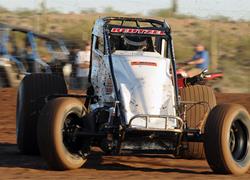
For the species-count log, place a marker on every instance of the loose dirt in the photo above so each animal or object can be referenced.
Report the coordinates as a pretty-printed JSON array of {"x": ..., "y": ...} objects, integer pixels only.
[{"x": 16, "y": 166}]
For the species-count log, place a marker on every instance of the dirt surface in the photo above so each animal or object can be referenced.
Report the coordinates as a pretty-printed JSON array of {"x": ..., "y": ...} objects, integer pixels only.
[{"x": 16, "y": 166}]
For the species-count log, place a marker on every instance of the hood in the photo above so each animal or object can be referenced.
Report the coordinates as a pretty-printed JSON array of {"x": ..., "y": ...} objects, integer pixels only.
[{"x": 145, "y": 85}]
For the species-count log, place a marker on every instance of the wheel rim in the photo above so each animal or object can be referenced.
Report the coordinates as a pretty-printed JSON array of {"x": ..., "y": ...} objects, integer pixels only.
[
  {"x": 70, "y": 128},
  {"x": 238, "y": 140}
]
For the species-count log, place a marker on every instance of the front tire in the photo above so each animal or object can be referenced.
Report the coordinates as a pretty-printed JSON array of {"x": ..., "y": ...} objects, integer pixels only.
[
  {"x": 59, "y": 119},
  {"x": 227, "y": 144}
]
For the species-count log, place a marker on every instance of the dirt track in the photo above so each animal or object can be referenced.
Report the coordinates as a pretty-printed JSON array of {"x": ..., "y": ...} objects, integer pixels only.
[{"x": 13, "y": 165}]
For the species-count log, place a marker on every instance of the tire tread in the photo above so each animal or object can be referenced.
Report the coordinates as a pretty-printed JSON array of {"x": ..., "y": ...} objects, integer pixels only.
[
  {"x": 33, "y": 87},
  {"x": 195, "y": 116}
]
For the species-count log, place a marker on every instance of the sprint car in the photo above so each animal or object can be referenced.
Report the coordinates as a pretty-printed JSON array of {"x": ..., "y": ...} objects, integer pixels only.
[{"x": 133, "y": 104}]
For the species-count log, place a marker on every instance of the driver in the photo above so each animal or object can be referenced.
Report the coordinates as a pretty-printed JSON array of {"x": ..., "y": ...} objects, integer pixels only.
[{"x": 135, "y": 43}]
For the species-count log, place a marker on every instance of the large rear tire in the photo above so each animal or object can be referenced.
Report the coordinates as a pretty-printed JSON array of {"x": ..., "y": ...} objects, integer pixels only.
[
  {"x": 226, "y": 143},
  {"x": 2, "y": 84},
  {"x": 196, "y": 116},
  {"x": 59, "y": 120},
  {"x": 32, "y": 88},
  {"x": 3, "y": 78}
]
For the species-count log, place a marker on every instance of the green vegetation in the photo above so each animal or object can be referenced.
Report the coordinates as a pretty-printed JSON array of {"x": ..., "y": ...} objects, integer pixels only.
[{"x": 232, "y": 41}]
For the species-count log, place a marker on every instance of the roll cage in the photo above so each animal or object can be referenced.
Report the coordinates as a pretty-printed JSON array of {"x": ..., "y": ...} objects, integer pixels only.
[
  {"x": 145, "y": 23},
  {"x": 109, "y": 26},
  {"x": 30, "y": 36}
]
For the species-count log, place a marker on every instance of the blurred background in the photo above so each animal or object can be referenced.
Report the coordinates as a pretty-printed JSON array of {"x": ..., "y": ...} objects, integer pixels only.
[{"x": 221, "y": 25}]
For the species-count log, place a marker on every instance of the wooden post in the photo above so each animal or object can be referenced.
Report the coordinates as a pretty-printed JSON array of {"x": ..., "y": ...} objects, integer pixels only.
[
  {"x": 213, "y": 46},
  {"x": 42, "y": 21},
  {"x": 44, "y": 17},
  {"x": 174, "y": 6}
]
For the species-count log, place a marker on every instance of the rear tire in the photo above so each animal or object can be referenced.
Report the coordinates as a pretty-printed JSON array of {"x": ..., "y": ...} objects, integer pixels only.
[
  {"x": 226, "y": 143},
  {"x": 32, "y": 88},
  {"x": 1, "y": 82},
  {"x": 3, "y": 78},
  {"x": 196, "y": 116},
  {"x": 56, "y": 126}
]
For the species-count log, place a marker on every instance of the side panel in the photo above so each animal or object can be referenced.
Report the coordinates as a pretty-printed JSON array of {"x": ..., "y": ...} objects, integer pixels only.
[{"x": 100, "y": 75}]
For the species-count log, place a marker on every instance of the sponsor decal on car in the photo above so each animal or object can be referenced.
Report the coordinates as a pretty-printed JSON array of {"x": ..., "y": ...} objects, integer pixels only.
[{"x": 137, "y": 31}]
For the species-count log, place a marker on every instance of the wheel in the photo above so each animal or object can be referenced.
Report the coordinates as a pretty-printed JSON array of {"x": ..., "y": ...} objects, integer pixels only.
[
  {"x": 196, "y": 116},
  {"x": 226, "y": 143},
  {"x": 29, "y": 103},
  {"x": 60, "y": 119}
]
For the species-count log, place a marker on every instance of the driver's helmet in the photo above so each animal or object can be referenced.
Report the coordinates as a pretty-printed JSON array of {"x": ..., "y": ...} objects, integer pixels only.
[{"x": 135, "y": 42}]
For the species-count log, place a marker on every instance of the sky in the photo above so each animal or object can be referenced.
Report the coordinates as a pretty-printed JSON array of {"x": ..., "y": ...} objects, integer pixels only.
[{"x": 234, "y": 9}]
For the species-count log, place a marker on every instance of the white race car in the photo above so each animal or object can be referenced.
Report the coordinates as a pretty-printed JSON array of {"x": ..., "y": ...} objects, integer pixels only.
[{"x": 133, "y": 104}]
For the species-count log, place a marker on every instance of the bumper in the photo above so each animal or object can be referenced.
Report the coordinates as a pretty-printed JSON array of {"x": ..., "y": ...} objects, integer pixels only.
[{"x": 164, "y": 126}]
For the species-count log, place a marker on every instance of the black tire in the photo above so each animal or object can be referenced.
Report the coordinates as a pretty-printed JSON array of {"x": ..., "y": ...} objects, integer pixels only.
[
  {"x": 32, "y": 88},
  {"x": 60, "y": 149},
  {"x": 3, "y": 78},
  {"x": 1, "y": 82},
  {"x": 226, "y": 143},
  {"x": 196, "y": 116}
]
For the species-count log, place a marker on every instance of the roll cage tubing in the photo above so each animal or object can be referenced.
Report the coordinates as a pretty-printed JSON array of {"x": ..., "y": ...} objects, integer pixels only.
[
  {"x": 35, "y": 55},
  {"x": 31, "y": 36},
  {"x": 47, "y": 38},
  {"x": 170, "y": 49},
  {"x": 4, "y": 39},
  {"x": 60, "y": 44}
]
